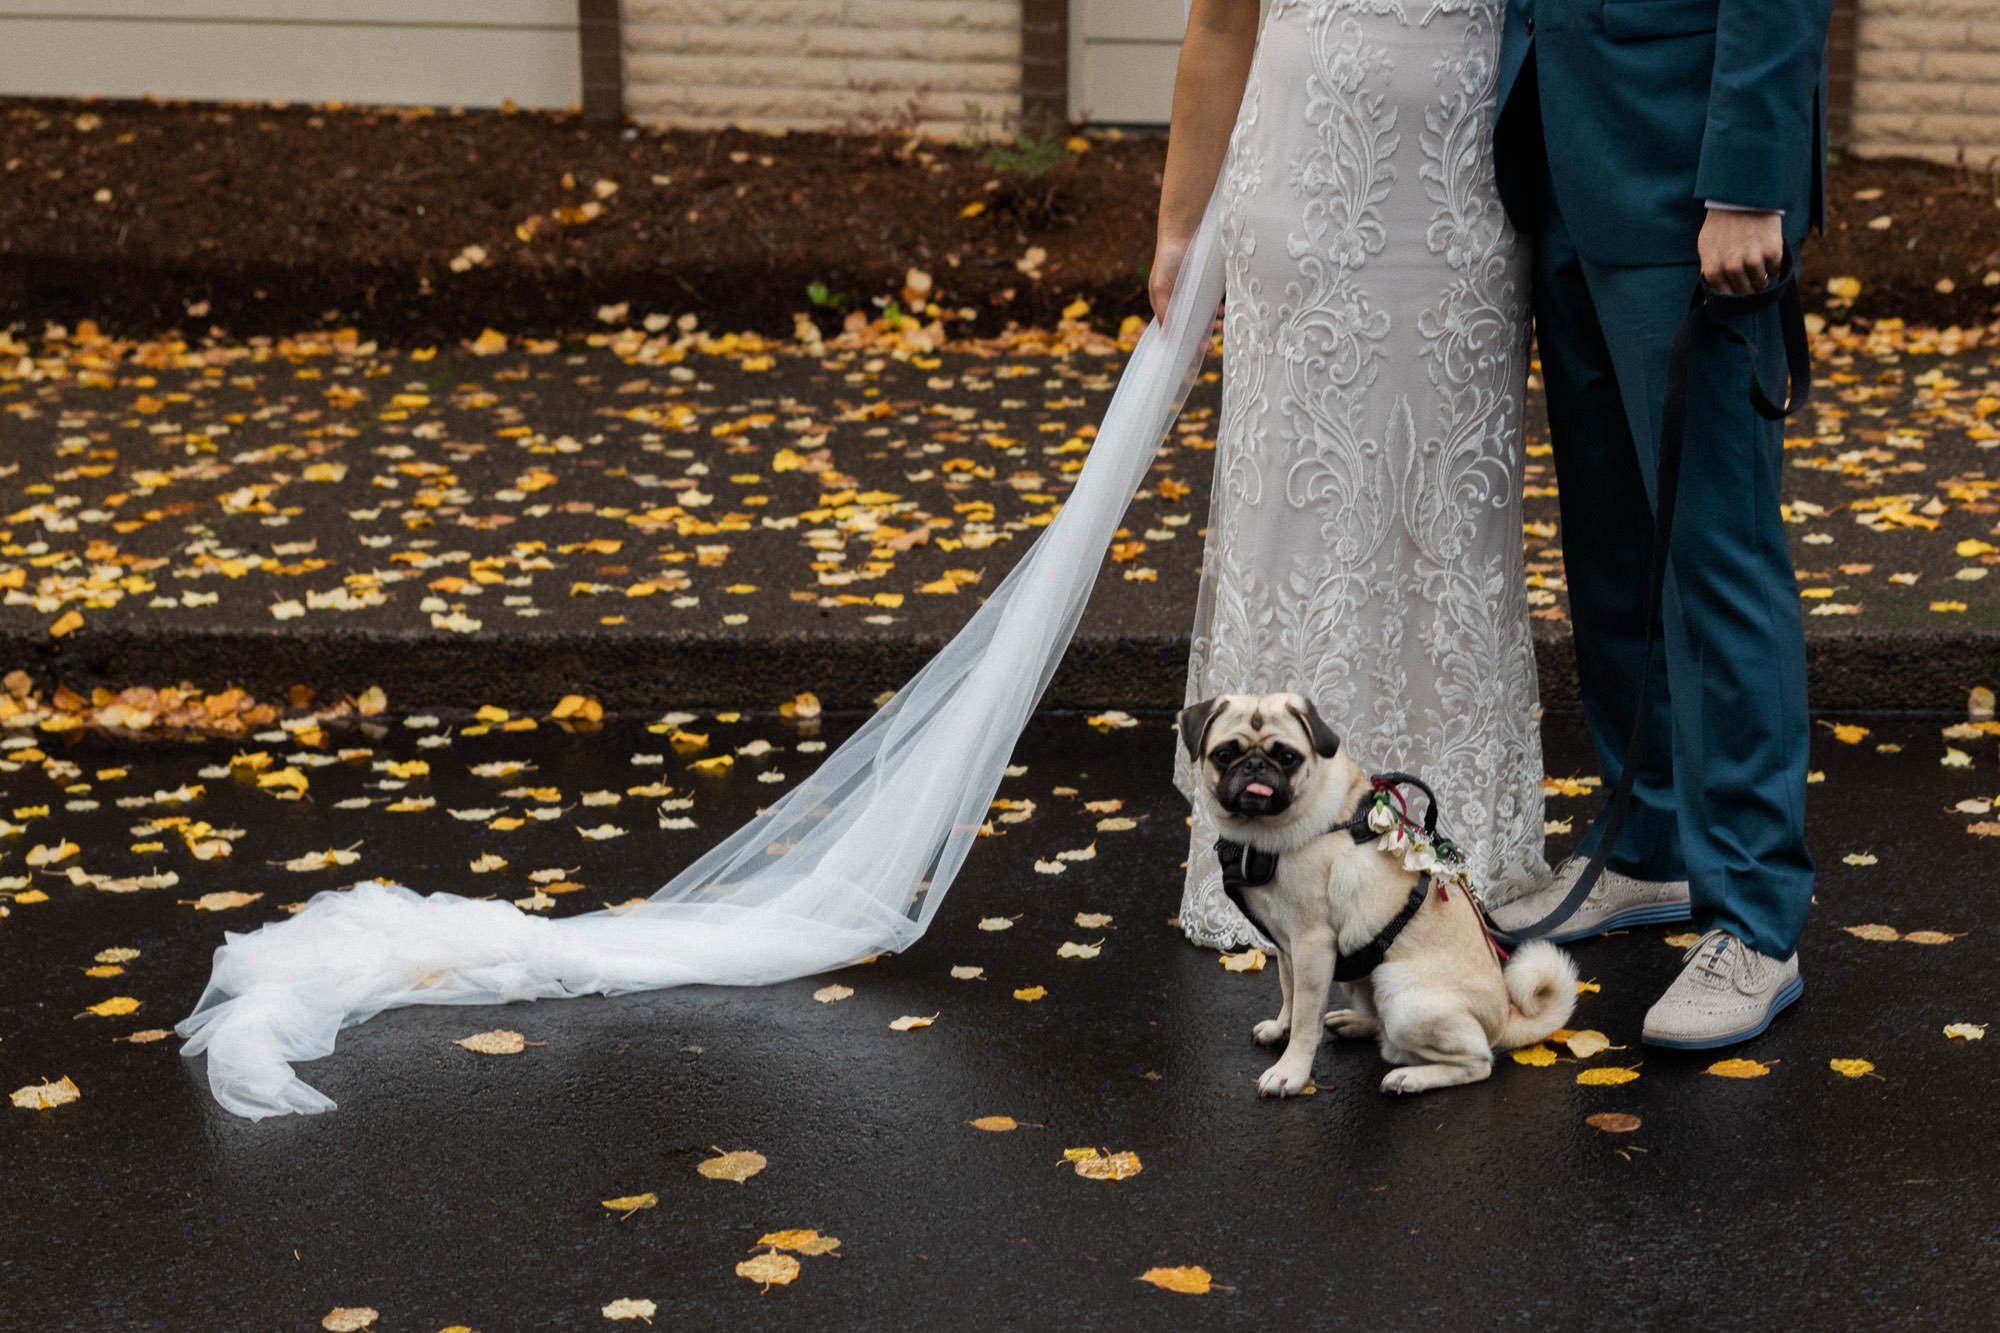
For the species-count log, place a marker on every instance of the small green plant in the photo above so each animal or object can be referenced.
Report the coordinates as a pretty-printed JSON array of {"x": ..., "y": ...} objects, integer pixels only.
[
  {"x": 1021, "y": 151},
  {"x": 827, "y": 299},
  {"x": 1027, "y": 146}
]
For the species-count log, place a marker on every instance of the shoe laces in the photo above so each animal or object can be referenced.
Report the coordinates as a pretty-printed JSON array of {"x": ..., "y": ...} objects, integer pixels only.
[{"x": 1717, "y": 963}]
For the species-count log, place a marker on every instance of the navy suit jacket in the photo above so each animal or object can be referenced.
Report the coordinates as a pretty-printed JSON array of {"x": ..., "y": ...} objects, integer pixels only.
[{"x": 1649, "y": 108}]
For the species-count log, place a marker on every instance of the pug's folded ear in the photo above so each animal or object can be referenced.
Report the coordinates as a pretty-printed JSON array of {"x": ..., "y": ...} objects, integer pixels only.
[
  {"x": 1325, "y": 744},
  {"x": 1194, "y": 720}
]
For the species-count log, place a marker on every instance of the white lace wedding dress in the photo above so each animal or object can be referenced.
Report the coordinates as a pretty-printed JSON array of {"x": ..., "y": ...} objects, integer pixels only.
[{"x": 1364, "y": 543}]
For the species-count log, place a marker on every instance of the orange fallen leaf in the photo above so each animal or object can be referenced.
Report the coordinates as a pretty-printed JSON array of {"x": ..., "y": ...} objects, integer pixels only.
[
  {"x": 995, "y": 1124},
  {"x": 1613, "y": 1122},
  {"x": 1190, "y": 1281}
]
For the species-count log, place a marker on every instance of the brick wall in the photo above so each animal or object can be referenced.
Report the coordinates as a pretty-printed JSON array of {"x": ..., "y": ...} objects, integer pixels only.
[
  {"x": 805, "y": 64},
  {"x": 1927, "y": 80}
]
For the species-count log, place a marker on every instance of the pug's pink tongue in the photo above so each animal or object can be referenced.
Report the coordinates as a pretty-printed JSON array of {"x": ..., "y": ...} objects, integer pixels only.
[{"x": 1256, "y": 789}]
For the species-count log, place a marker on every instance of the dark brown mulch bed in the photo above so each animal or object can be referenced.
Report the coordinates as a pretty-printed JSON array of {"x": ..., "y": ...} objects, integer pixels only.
[{"x": 268, "y": 219}]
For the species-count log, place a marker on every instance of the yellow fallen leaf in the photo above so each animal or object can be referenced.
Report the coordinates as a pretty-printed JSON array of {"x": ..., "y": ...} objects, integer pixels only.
[
  {"x": 500, "y": 1041},
  {"x": 1192, "y": 1281},
  {"x": 487, "y": 863},
  {"x": 996, "y": 923},
  {"x": 1108, "y": 1166},
  {"x": 223, "y": 902},
  {"x": 833, "y": 994},
  {"x": 630, "y": 1308},
  {"x": 1031, "y": 993},
  {"x": 1071, "y": 949},
  {"x": 1873, "y": 932},
  {"x": 738, "y": 1166},
  {"x": 995, "y": 1124},
  {"x": 1117, "y": 824},
  {"x": 629, "y": 1204},
  {"x": 1848, "y": 733},
  {"x": 104, "y": 971},
  {"x": 145, "y": 1036},
  {"x": 910, "y": 1022},
  {"x": 1093, "y": 920},
  {"x": 771, "y": 1269},
  {"x": 45, "y": 1095},
  {"x": 115, "y": 1007},
  {"x": 1537, "y": 1055},
  {"x": 1851, "y": 1068},
  {"x": 1586, "y": 1043},
  {"x": 1682, "y": 940},
  {"x": 1250, "y": 960},
  {"x": 1930, "y": 936},
  {"x": 119, "y": 955},
  {"x": 967, "y": 972},
  {"x": 45, "y": 855},
  {"x": 1605, "y": 1076},
  {"x": 802, "y": 1241},
  {"x": 1739, "y": 1068},
  {"x": 1966, "y": 1031},
  {"x": 333, "y": 856},
  {"x": 349, "y": 1319},
  {"x": 69, "y": 622}
]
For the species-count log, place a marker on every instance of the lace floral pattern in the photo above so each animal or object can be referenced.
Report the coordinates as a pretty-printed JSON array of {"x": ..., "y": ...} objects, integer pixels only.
[{"x": 1364, "y": 536}]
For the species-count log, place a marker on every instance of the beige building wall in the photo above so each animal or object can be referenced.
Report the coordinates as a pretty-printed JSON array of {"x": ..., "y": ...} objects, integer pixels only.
[
  {"x": 1927, "y": 80},
  {"x": 821, "y": 64}
]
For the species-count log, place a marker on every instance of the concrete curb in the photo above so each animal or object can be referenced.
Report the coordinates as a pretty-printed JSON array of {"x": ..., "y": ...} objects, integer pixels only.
[{"x": 1848, "y": 670}]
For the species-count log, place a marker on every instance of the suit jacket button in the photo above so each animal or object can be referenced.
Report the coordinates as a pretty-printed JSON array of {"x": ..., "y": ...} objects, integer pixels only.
[{"x": 1530, "y": 22}]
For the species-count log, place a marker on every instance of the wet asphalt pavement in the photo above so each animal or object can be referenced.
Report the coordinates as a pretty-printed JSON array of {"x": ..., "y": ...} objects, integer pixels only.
[{"x": 457, "y": 1189}]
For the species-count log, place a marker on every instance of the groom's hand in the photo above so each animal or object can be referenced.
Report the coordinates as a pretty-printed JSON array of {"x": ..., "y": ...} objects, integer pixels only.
[{"x": 1741, "y": 251}]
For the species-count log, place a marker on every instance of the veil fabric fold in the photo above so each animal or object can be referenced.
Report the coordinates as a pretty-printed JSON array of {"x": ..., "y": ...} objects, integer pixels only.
[{"x": 853, "y": 861}]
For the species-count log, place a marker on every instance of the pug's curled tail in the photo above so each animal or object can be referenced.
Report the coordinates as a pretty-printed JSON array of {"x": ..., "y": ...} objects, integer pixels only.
[{"x": 1541, "y": 994}]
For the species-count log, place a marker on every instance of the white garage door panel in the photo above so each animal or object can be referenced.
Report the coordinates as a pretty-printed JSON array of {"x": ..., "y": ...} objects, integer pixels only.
[
  {"x": 1147, "y": 20},
  {"x": 1124, "y": 83},
  {"x": 427, "y": 52}
]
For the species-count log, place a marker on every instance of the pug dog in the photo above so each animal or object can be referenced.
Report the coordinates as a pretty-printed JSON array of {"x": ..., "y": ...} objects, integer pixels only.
[{"x": 1274, "y": 778}]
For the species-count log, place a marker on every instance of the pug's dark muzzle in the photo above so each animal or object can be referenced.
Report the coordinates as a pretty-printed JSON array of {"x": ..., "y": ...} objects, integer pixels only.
[{"x": 1254, "y": 786}]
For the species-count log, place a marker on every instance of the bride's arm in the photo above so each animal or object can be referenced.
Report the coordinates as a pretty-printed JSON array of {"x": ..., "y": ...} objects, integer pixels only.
[{"x": 1208, "y": 86}]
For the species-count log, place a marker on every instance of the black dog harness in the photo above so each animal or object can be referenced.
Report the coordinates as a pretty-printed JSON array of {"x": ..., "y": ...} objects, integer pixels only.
[{"x": 1246, "y": 867}]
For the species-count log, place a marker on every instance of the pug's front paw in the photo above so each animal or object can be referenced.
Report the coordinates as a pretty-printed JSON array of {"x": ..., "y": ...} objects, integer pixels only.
[
  {"x": 1281, "y": 1080},
  {"x": 1270, "y": 1032}
]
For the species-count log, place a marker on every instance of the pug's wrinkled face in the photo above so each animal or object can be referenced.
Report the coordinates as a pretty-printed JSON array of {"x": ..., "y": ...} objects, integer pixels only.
[{"x": 1255, "y": 750}]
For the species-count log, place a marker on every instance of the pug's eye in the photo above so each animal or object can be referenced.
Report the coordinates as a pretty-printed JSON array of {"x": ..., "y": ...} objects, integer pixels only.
[
  {"x": 1288, "y": 758},
  {"x": 1225, "y": 753}
]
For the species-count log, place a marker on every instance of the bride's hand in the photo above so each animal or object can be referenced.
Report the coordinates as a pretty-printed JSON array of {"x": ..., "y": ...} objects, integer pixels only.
[{"x": 1167, "y": 257}]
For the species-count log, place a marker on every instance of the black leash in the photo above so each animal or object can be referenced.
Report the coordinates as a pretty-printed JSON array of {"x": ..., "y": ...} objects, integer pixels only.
[{"x": 1708, "y": 314}]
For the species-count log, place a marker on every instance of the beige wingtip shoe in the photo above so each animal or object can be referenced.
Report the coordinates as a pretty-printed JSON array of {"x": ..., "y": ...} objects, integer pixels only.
[
  {"x": 1727, "y": 992},
  {"x": 1615, "y": 902}
]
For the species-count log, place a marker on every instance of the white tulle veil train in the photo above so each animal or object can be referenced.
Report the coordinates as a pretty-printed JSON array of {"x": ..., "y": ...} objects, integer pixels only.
[{"x": 851, "y": 862}]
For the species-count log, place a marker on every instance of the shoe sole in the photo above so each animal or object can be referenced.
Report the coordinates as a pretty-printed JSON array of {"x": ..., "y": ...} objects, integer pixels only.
[
  {"x": 1657, "y": 914},
  {"x": 1779, "y": 1003}
]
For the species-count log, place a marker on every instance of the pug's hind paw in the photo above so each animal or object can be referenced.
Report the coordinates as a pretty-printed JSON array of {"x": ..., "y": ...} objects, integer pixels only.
[
  {"x": 1270, "y": 1032},
  {"x": 1350, "y": 1023},
  {"x": 1278, "y": 1081}
]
